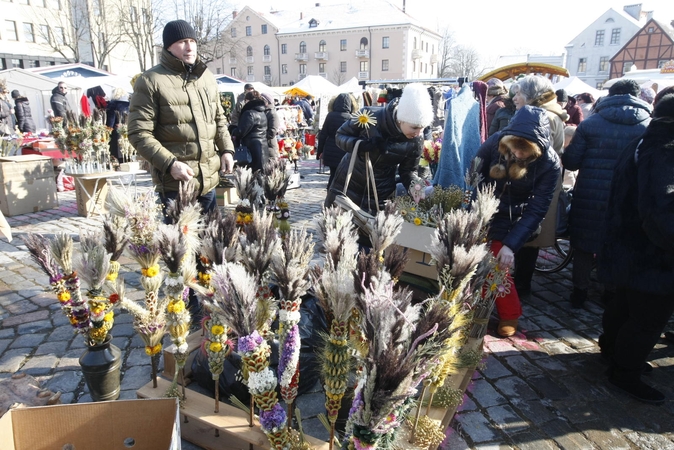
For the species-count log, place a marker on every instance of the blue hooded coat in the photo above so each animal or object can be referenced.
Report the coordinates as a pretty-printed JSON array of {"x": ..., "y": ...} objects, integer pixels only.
[{"x": 523, "y": 202}]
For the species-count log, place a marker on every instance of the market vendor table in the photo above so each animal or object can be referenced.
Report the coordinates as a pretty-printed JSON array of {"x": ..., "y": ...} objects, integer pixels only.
[{"x": 91, "y": 193}]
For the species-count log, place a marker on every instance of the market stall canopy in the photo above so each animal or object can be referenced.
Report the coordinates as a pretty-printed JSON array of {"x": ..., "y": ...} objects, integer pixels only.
[
  {"x": 313, "y": 85},
  {"x": 352, "y": 86},
  {"x": 575, "y": 86},
  {"x": 38, "y": 90},
  {"x": 512, "y": 71},
  {"x": 663, "y": 77},
  {"x": 237, "y": 88}
]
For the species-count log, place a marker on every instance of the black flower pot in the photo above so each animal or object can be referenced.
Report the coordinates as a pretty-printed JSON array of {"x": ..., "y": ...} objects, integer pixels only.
[{"x": 101, "y": 365}]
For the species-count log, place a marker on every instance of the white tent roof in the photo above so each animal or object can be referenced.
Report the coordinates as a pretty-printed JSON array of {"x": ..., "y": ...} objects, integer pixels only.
[
  {"x": 646, "y": 78},
  {"x": 315, "y": 85},
  {"x": 575, "y": 86},
  {"x": 38, "y": 90},
  {"x": 352, "y": 86},
  {"x": 237, "y": 88}
]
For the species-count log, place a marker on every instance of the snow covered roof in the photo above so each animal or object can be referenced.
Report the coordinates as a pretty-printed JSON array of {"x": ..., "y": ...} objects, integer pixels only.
[{"x": 350, "y": 14}]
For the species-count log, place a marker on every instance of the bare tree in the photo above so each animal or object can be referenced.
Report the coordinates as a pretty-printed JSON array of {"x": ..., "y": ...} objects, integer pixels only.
[
  {"x": 447, "y": 44},
  {"x": 464, "y": 62},
  {"x": 338, "y": 77},
  {"x": 105, "y": 31},
  {"x": 63, "y": 28},
  {"x": 138, "y": 27}
]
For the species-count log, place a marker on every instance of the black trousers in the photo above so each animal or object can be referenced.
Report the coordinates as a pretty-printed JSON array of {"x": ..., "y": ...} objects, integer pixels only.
[
  {"x": 632, "y": 322},
  {"x": 525, "y": 264}
]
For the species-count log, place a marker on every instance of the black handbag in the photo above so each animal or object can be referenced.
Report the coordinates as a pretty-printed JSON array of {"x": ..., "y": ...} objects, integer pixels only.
[{"x": 242, "y": 155}]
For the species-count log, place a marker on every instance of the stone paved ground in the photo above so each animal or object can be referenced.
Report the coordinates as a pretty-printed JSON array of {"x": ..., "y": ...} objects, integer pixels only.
[{"x": 541, "y": 389}]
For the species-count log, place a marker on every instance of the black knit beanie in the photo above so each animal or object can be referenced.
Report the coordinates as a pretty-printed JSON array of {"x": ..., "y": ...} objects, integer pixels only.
[
  {"x": 627, "y": 86},
  {"x": 177, "y": 30},
  {"x": 562, "y": 95},
  {"x": 664, "y": 107}
]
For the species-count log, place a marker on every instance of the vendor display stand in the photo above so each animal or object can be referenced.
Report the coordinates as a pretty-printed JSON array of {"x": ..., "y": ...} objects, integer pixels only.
[{"x": 91, "y": 189}]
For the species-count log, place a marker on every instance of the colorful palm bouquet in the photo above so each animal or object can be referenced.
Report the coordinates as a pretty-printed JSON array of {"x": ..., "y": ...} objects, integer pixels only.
[
  {"x": 85, "y": 140},
  {"x": 430, "y": 155}
]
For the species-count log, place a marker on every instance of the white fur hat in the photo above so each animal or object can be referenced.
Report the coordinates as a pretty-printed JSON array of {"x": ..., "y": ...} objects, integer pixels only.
[{"x": 415, "y": 105}]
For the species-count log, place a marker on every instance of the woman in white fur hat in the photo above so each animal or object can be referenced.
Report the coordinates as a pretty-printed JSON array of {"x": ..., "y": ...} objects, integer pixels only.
[{"x": 393, "y": 138}]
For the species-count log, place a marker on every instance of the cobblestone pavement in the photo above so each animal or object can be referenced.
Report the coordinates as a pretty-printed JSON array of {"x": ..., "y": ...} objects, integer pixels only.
[{"x": 544, "y": 388}]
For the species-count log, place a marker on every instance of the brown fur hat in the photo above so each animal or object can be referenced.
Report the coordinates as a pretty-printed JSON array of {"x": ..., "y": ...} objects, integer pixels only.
[{"x": 516, "y": 168}]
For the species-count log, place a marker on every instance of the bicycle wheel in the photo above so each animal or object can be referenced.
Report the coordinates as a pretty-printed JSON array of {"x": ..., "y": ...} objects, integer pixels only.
[{"x": 555, "y": 258}]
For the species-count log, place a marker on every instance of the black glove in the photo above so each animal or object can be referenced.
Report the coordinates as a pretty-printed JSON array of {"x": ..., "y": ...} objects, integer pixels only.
[{"x": 374, "y": 143}]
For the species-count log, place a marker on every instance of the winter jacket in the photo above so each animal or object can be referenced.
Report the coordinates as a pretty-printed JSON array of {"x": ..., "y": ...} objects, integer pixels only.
[
  {"x": 502, "y": 117},
  {"x": 6, "y": 121},
  {"x": 24, "y": 118},
  {"x": 175, "y": 114},
  {"x": 340, "y": 109},
  {"x": 638, "y": 250},
  {"x": 494, "y": 105},
  {"x": 523, "y": 202},
  {"x": 273, "y": 124},
  {"x": 593, "y": 151},
  {"x": 557, "y": 117},
  {"x": 115, "y": 111},
  {"x": 575, "y": 114},
  {"x": 59, "y": 103},
  {"x": 252, "y": 131},
  {"x": 397, "y": 154},
  {"x": 306, "y": 110}
]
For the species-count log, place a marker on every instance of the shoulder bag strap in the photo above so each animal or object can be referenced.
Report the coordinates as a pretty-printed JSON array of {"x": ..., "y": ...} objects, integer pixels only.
[{"x": 369, "y": 173}]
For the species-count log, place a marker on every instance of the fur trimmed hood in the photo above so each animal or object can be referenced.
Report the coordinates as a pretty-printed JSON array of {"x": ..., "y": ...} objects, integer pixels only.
[{"x": 548, "y": 101}]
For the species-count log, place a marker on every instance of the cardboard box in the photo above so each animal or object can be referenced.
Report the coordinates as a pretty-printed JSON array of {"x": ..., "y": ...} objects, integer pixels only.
[
  {"x": 226, "y": 196},
  {"x": 417, "y": 239},
  {"x": 147, "y": 424},
  {"x": 27, "y": 184},
  {"x": 90, "y": 195}
]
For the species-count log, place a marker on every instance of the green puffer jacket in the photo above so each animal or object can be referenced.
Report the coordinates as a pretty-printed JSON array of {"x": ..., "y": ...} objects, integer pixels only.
[{"x": 176, "y": 114}]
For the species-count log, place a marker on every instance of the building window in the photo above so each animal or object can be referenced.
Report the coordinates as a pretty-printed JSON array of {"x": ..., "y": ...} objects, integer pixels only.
[
  {"x": 263, "y": 28},
  {"x": 599, "y": 38},
  {"x": 232, "y": 71},
  {"x": 233, "y": 32},
  {"x": 426, "y": 47},
  {"x": 10, "y": 27},
  {"x": 363, "y": 43},
  {"x": 414, "y": 66},
  {"x": 43, "y": 35},
  {"x": 303, "y": 68},
  {"x": 322, "y": 46},
  {"x": 384, "y": 65},
  {"x": 284, "y": 68},
  {"x": 313, "y": 23},
  {"x": 582, "y": 65},
  {"x": 627, "y": 65},
  {"x": 342, "y": 45},
  {"x": 384, "y": 42},
  {"x": 342, "y": 66},
  {"x": 60, "y": 35},
  {"x": 267, "y": 50},
  {"x": 414, "y": 43},
  {"x": 321, "y": 67},
  {"x": 303, "y": 47},
  {"x": 615, "y": 36},
  {"x": 249, "y": 30},
  {"x": 364, "y": 66},
  {"x": 218, "y": 71},
  {"x": 284, "y": 49},
  {"x": 251, "y": 70},
  {"x": 267, "y": 70},
  {"x": 28, "y": 33},
  {"x": 33, "y": 63},
  {"x": 24, "y": 2},
  {"x": 249, "y": 51},
  {"x": 651, "y": 30},
  {"x": 17, "y": 63},
  {"x": 603, "y": 64}
]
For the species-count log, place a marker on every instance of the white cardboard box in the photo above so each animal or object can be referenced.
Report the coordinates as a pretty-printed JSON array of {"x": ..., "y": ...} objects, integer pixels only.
[{"x": 27, "y": 184}]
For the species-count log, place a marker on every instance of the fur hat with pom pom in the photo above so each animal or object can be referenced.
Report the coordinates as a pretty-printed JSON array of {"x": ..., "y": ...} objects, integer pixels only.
[{"x": 415, "y": 105}]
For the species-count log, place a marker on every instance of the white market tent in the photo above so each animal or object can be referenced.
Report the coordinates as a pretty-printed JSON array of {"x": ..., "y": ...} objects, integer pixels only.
[
  {"x": 314, "y": 85},
  {"x": 235, "y": 86},
  {"x": 352, "y": 86},
  {"x": 646, "y": 78},
  {"x": 86, "y": 77},
  {"x": 574, "y": 86},
  {"x": 38, "y": 90}
]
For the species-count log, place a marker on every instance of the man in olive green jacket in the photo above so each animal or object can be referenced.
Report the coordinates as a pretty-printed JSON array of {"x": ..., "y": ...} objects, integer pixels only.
[{"x": 176, "y": 120}]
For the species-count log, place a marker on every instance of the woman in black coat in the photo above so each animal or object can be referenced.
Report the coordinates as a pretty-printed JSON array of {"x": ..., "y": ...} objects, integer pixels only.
[
  {"x": 252, "y": 128},
  {"x": 637, "y": 254},
  {"x": 24, "y": 118},
  {"x": 116, "y": 112},
  {"x": 394, "y": 144},
  {"x": 340, "y": 109},
  {"x": 524, "y": 167}
]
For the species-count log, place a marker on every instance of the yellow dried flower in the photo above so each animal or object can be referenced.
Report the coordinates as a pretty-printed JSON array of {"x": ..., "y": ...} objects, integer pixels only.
[
  {"x": 151, "y": 351},
  {"x": 217, "y": 330},
  {"x": 175, "y": 306},
  {"x": 417, "y": 221},
  {"x": 109, "y": 317},
  {"x": 153, "y": 271},
  {"x": 112, "y": 276},
  {"x": 215, "y": 347},
  {"x": 63, "y": 296}
]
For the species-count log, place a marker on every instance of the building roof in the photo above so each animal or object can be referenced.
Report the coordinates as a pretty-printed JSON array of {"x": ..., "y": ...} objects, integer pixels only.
[{"x": 372, "y": 13}]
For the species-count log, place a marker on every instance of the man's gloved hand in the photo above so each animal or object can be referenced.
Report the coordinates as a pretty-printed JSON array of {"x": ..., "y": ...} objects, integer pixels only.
[
  {"x": 227, "y": 163},
  {"x": 181, "y": 171}
]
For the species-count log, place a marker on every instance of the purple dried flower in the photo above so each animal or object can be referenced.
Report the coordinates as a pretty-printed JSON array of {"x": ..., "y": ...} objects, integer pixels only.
[
  {"x": 249, "y": 343},
  {"x": 273, "y": 419},
  {"x": 290, "y": 346}
]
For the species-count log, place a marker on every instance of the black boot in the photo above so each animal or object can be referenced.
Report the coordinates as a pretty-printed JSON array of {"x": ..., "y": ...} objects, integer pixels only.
[
  {"x": 578, "y": 298},
  {"x": 639, "y": 390}
]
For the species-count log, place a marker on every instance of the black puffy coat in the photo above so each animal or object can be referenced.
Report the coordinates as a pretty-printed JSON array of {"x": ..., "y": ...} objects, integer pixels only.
[
  {"x": 401, "y": 156},
  {"x": 593, "y": 151},
  {"x": 523, "y": 202},
  {"x": 115, "y": 112},
  {"x": 340, "y": 110},
  {"x": 638, "y": 248},
  {"x": 24, "y": 117},
  {"x": 59, "y": 103},
  {"x": 252, "y": 130}
]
